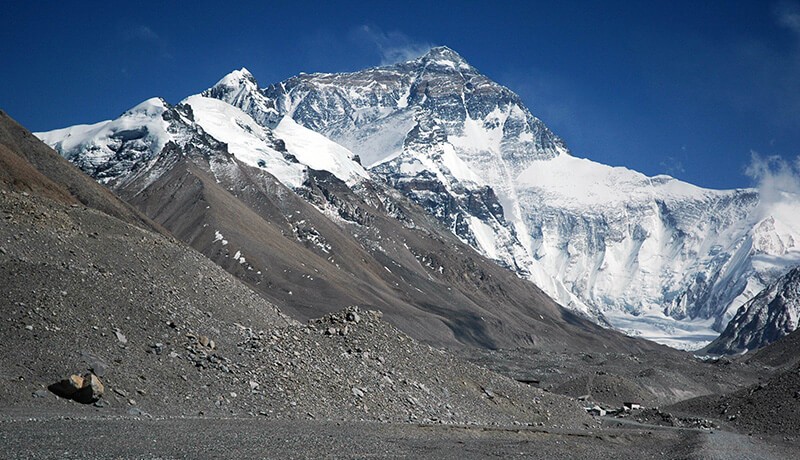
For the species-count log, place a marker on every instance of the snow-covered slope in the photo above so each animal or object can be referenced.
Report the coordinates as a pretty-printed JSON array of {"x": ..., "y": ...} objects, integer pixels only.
[
  {"x": 653, "y": 255},
  {"x": 111, "y": 149},
  {"x": 247, "y": 140},
  {"x": 765, "y": 318},
  {"x": 319, "y": 152},
  {"x": 124, "y": 148}
]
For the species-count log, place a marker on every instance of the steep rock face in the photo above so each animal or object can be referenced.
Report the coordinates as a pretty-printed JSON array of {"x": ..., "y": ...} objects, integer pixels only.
[
  {"x": 608, "y": 242},
  {"x": 767, "y": 317}
]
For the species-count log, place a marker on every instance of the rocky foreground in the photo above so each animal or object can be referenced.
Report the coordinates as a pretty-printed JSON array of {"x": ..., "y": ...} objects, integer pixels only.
[
  {"x": 169, "y": 333},
  {"x": 193, "y": 364}
]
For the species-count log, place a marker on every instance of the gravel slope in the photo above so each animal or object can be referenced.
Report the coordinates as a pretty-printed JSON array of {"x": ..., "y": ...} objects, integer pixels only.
[{"x": 83, "y": 290}]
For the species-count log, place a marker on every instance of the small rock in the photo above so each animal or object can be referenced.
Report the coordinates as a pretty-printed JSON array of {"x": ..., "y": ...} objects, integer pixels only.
[
  {"x": 136, "y": 412},
  {"x": 29, "y": 327},
  {"x": 84, "y": 389},
  {"x": 157, "y": 348},
  {"x": 68, "y": 387},
  {"x": 40, "y": 394},
  {"x": 93, "y": 389},
  {"x": 357, "y": 392},
  {"x": 120, "y": 336},
  {"x": 203, "y": 340}
]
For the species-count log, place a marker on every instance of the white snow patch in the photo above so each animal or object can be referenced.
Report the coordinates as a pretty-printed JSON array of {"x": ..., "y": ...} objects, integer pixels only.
[
  {"x": 319, "y": 152},
  {"x": 247, "y": 140},
  {"x": 485, "y": 237},
  {"x": 402, "y": 103}
]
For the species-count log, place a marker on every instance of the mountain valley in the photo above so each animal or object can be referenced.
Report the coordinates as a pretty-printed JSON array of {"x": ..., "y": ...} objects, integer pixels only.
[{"x": 403, "y": 259}]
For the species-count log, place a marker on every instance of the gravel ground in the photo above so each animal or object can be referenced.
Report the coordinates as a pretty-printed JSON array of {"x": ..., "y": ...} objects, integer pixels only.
[
  {"x": 770, "y": 408},
  {"x": 167, "y": 438},
  {"x": 100, "y": 438}
]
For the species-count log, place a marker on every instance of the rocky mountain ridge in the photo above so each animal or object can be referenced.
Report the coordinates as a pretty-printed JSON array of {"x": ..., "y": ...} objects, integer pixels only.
[{"x": 769, "y": 316}]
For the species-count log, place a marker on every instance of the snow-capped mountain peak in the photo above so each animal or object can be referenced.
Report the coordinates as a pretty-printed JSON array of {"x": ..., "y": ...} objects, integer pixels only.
[
  {"x": 240, "y": 89},
  {"x": 443, "y": 56},
  {"x": 153, "y": 107},
  {"x": 642, "y": 252}
]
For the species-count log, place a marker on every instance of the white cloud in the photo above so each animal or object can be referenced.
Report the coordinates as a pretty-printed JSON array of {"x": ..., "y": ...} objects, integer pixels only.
[
  {"x": 392, "y": 46},
  {"x": 777, "y": 179}
]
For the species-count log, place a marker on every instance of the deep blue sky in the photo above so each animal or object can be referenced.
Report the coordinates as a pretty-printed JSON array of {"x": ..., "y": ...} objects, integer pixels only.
[{"x": 684, "y": 88}]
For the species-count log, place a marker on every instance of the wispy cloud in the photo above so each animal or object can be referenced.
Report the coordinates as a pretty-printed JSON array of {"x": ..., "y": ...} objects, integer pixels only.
[
  {"x": 392, "y": 46},
  {"x": 776, "y": 178},
  {"x": 145, "y": 35},
  {"x": 673, "y": 166},
  {"x": 787, "y": 15}
]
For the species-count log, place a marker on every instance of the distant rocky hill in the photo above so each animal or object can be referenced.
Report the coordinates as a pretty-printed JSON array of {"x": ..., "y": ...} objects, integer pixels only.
[{"x": 772, "y": 314}]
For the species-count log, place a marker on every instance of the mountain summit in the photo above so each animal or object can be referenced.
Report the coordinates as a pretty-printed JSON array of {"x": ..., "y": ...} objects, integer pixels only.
[{"x": 444, "y": 56}]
